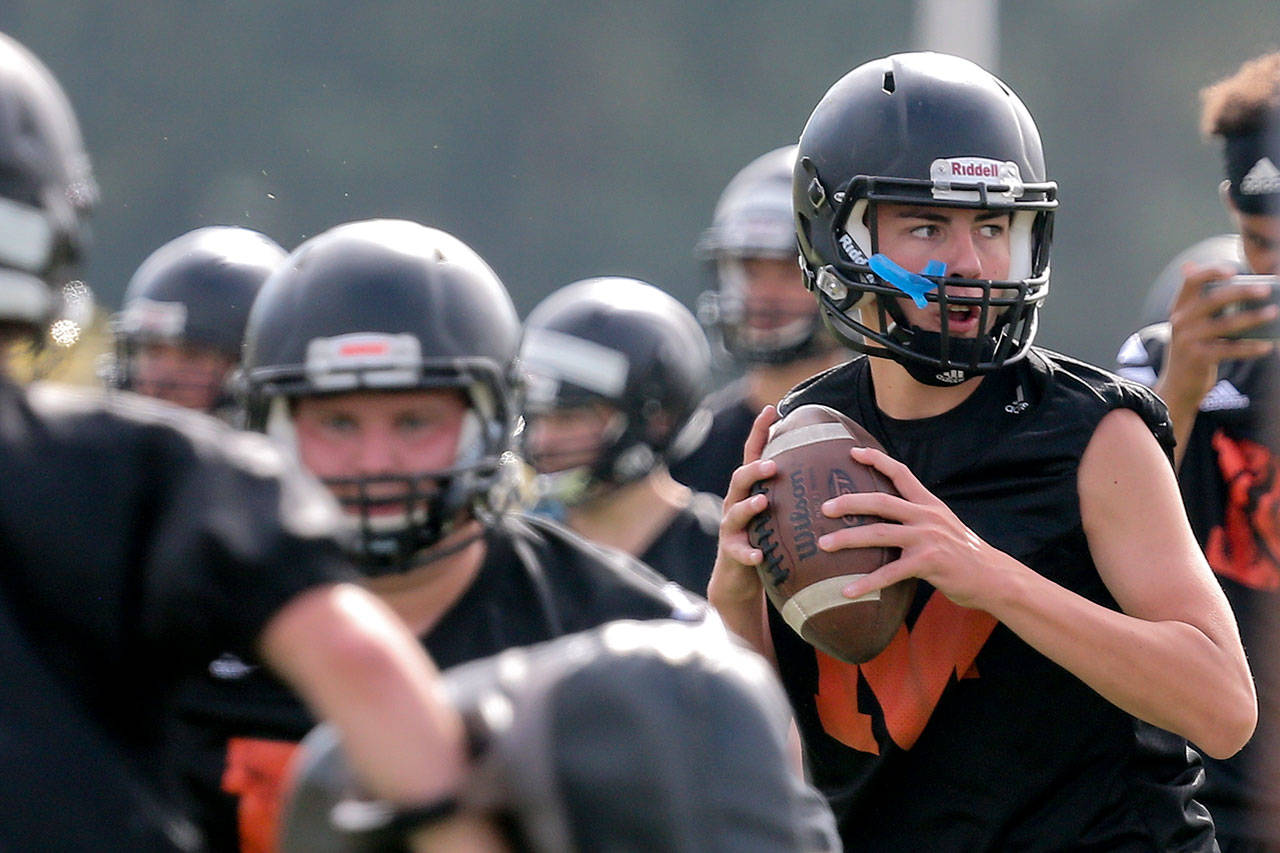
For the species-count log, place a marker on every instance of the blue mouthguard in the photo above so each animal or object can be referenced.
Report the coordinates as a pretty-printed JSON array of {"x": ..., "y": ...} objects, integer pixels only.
[{"x": 912, "y": 284}]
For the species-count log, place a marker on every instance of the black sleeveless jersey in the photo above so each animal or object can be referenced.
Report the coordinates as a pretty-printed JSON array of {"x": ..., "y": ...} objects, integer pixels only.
[
  {"x": 709, "y": 467},
  {"x": 236, "y": 726},
  {"x": 1230, "y": 477},
  {"x": 959, "y": 736},
  {"x": 685, "y": 551}
]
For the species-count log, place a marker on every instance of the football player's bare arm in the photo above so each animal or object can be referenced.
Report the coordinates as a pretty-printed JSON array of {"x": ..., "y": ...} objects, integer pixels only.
[
  {"x": 1172, "y": 657},
  {"x": 356, "y": 665},
  {"x": 735, "y": 589},
  {"x": 1197, "y": 345}
]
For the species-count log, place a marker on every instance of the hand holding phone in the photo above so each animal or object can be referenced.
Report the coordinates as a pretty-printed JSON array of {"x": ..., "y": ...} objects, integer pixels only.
[{"x": 1266, "y": 328}]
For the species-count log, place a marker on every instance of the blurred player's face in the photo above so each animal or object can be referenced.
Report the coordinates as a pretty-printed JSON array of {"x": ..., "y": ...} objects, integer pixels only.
[
  {"x": 187, "y": 374},
  {"x": 1260, "y": 238},
  {"x": 774, "y": 292},
  {"x": 568, "y": 437},
  {"x": 368, "y": 435},
  {"x": 972, "y": 243},
  {"x": 776, "y": 309}
]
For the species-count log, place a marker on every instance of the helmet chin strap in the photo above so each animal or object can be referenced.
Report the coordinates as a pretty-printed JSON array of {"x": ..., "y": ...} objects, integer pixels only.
[{"x": 929, "y": 345}]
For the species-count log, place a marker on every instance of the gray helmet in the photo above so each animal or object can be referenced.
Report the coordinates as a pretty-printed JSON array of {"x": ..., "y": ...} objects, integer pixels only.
[
  {"x": 1222, "y": 249},
  {"x": 753, "y": 219},
  {"x": 46, "y": 192}
]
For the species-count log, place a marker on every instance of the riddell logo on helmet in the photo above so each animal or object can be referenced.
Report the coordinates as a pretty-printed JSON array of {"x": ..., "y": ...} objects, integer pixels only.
[
  {"x": 976, "y": 169},
  {"x": 968, "y": 171},
  {"x": 364, "y": 347}
]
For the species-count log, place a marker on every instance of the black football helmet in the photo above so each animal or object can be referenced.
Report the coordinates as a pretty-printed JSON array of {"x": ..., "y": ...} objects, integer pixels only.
[
  {"x": 392, "y": 305},
  {"x": 634, "y": 348},
  {"x": 46, "y": 193},
  {"x": 195, "y": 289},
  {"x": 933, "y": 129},
  {"x": 753, "y": 219}
]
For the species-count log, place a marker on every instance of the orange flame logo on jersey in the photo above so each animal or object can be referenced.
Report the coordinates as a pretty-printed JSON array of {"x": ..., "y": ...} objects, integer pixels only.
[
  {"x": 907, "y": 678},
  {"x": 1245, "y": 547}
]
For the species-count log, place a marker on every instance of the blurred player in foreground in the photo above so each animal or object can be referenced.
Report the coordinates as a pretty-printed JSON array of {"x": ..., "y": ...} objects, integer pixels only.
[
  {"x": 654, "y": 735},
  {"x": 616, "y": 370},
  {"x": 139, "y": 540},
  {"x": 1067, "y": 638}
]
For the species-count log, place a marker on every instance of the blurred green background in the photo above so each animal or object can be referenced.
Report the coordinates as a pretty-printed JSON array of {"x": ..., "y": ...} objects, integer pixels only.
[{"x": 571, "y": 139}]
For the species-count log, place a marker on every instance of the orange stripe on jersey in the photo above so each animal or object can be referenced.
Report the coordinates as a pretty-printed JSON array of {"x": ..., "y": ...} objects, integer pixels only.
[
  {"x": 907, "y": 678},
  {"x": 255, "y": 773}
]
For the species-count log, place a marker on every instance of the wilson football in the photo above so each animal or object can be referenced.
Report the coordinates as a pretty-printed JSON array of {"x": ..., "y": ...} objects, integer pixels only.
[{"x": 811, "y": 448}]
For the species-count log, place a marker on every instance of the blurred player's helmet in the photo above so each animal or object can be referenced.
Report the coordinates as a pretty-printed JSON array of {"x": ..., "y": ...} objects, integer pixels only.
[
  {"x": 1221, "y": 250},
  {"x": 194, "y": 290},
  {"x": 930, "y": 129},
  {"x": 753, "y": 219},
  {"x": 392, "y": 305},
  {"x": 634, "y": 349},
  {"x": 614, "y": 738},
  {"x": 46, "y": 192}
]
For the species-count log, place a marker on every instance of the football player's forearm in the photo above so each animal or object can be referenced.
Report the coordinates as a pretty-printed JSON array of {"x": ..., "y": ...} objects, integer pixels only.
[{"x": 357, "y": 667}]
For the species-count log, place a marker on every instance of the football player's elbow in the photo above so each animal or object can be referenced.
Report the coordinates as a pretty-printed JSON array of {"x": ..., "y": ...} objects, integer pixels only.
[{"x": 1230, "y": 727}]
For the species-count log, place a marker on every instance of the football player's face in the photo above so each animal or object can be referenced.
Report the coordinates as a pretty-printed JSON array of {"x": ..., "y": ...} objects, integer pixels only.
[
  {"x": 773, "y": 292},
  {"x": 568, "y": 437},
  {"x": 187, "y": 374},
  {"x": 1260, "y": 239},
  {"x": 974, "y": 244},
  {"x": 373, "y": 434}
]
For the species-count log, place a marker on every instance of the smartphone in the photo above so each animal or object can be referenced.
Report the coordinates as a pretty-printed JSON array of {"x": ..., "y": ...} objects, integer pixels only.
[{"x": 1267, "y": 331}]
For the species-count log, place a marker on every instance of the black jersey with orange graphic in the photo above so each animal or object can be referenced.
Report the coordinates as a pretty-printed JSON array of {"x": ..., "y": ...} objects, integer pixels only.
[
  {"x": 1230, "y": 478},
  {"x": 960, "y": 736}
]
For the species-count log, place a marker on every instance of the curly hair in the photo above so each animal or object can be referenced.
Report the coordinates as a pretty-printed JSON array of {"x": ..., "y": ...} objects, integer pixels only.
[{"x": 1246, "y": 102}]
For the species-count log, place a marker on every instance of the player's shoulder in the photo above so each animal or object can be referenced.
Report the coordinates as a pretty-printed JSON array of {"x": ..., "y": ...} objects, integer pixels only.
[
  {"x": 549, "y": 548},
  {"x": 1078, "y": 376},
  {"x": 120, "y": 422},
  {"x": 1084, "y": 390},
  {"x": 75, "y": 410},
  {"x": 727, "y": 398},
  {"x": 704, "y": 509},
  {"x": 1142, "y": 353},
  {"x": 556, "y": 547},
  {"x": 835, "y": 387}
]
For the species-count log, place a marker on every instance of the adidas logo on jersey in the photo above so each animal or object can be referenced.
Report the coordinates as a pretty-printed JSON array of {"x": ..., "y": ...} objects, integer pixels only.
[
  {"x": 1019, "y": 404},
  {"x": 228, "y": 666},
  {"x": 1224, "y": 396},
  {"x": 1262, "y": 179}
]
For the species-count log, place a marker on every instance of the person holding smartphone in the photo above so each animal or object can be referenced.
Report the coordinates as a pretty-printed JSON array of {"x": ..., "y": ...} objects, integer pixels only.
[{"x": 1215, "y": 364}]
